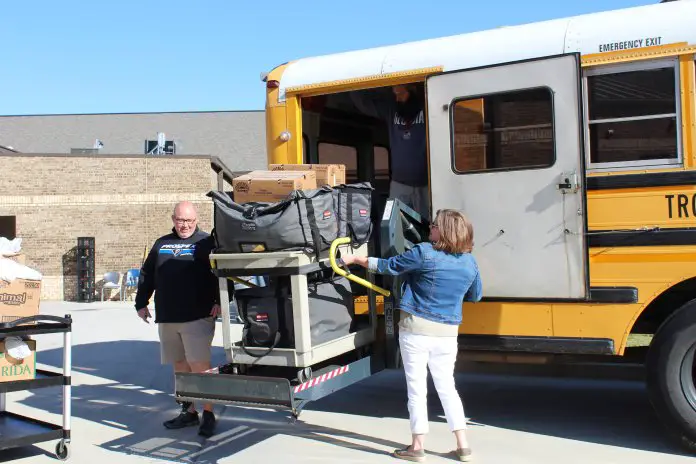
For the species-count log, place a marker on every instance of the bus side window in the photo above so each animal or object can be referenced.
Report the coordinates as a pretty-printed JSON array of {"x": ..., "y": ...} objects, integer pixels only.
[
  {"x": 331, "y": 153},
  {"x": 381, "y": 163},
  {"x": 633, "y": 114},
  {"x": 505, "y": 131}
]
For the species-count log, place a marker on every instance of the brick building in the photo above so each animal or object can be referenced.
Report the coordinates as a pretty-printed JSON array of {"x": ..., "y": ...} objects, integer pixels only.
[{"x": 124, "y": 201}]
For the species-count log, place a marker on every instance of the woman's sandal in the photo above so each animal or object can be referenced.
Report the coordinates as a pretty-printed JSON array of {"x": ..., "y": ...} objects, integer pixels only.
[
  {"x": 463, "y": 454},
  {"x": 409, "y": 455}
]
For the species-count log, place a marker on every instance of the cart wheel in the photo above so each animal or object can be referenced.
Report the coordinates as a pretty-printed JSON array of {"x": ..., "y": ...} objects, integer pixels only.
[{"x": 62, "y": 451}]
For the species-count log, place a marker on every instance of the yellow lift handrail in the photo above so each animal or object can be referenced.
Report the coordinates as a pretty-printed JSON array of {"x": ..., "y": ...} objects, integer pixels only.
[{"x": 354, "y": 278}]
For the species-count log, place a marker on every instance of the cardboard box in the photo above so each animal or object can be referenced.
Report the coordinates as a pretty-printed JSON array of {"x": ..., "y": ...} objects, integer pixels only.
[
  {"x": 18, "y": 258},
  {"x": 269, "y": 186},
  {"x": 19, "y": 298},
  {"x": 12, "y": 369},
  {"x": 331, "y": 174}
]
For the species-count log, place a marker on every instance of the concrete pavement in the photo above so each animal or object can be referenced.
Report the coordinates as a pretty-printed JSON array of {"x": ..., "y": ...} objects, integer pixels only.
[{"x": 121, "y": 395}]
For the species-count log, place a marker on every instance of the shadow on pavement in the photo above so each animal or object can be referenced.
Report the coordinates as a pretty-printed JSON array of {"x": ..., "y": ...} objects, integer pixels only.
[
  {"x": 132, "y": 392},
  {"x": 26, "y": 452}
]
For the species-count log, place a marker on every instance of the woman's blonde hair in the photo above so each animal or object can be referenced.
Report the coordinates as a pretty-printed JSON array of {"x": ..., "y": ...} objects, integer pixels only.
[{"x": 456, "y": 232}]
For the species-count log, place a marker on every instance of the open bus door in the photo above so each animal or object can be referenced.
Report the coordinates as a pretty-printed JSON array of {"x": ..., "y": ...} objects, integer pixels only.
[{"x": 506, "y": 148}]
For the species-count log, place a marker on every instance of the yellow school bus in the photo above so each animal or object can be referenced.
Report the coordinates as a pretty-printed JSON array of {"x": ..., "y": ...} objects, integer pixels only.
[{"x": 571, "y": 146}]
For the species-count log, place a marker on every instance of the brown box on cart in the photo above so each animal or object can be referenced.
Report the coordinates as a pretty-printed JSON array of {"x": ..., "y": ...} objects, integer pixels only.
[
  {"x": 12, "y": 369},
  {"x": 331, "y": 174},
  {"x": 270, "y": 186},
  {"x": 19, "y": 298}
]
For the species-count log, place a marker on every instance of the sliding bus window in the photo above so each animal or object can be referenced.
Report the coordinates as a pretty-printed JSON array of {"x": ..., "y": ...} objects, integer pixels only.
[{"x": 505, "y": 131}]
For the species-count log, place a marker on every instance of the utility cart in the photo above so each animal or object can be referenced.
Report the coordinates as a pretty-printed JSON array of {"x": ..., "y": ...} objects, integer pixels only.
[
  {"x": 289, "y": 377},
  {"x": 17, "y": 430}
]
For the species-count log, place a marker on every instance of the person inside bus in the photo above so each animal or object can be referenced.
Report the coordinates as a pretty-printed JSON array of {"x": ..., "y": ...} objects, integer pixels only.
[
  {"x": 404, "y": 113},
  {"x": 439, "y": 276}
]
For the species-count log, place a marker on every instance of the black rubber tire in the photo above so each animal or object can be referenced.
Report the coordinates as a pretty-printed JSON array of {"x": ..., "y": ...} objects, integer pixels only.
[
  {"x": 670, "y": 374},
  {"x": 62, "y": 451}
]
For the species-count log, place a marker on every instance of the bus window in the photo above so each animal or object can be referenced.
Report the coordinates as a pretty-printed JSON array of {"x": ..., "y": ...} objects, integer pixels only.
[
  {"x": 632, "y": 112},
  {"x": 330, "y": 153},
  {"x": 381, "y": 159},
  {"x": 512, "y": 130}
]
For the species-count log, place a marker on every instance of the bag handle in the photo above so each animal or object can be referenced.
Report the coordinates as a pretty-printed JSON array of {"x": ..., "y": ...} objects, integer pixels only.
[{"x": 245, "y": 332}]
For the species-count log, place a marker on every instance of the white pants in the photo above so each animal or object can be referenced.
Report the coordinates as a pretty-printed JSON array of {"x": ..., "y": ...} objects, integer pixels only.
[
  {"x": 415, "y": 197},
  {"x": 439, "y": 354}
]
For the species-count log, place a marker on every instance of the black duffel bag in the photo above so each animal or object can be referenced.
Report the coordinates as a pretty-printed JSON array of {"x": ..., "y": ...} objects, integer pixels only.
[
  {"x": 268, "y": 314},
  {"x": 353, "y": 204},
  {"x": 306, "y": 220}
]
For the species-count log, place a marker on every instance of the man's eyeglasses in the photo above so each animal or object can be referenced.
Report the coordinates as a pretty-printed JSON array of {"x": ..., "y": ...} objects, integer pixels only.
[{"x": 184, "y": 221}]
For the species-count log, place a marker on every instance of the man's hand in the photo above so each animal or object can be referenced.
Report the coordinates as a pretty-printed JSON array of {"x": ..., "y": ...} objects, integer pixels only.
[
  {"x": 144, "y": 314},
  {"x": 216, "y": 311}
]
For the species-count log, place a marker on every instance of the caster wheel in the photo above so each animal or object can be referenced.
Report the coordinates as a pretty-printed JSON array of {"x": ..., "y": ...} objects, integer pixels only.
[
  {"x": 62, "y": 451},
  {"x": 304, "y": 374}
]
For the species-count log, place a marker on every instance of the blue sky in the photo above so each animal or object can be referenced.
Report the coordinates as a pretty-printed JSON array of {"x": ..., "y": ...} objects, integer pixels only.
[{"x": 148, "y": 55}]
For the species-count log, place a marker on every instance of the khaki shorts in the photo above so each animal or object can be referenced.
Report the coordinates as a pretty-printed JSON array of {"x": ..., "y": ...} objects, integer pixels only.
[{"x": 186, "y": 341}]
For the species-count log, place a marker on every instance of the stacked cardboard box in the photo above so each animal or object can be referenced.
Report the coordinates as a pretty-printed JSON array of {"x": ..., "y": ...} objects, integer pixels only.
[
  {"x": 327, "y": 174},
  {"x": 20, "y": 286},
  {"x": 19, "y": 298},
  {"x": 271, "y": 186},
  {"x": 21, "y": 367}
]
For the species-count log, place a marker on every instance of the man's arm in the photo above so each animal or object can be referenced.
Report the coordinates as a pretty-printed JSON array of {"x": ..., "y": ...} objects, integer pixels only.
[
  {"x": 375, "y": 106},
  {"x": 211, "y": 281},
  {"x": 146, "y": 280}
]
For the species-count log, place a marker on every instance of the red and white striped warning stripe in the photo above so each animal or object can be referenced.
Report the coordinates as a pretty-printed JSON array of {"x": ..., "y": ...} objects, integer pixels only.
[{"x": 322, "y": 378}]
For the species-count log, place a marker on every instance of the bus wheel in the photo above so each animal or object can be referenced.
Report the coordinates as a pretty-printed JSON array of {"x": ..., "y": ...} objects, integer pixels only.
[{"x": 671, "y": 374}]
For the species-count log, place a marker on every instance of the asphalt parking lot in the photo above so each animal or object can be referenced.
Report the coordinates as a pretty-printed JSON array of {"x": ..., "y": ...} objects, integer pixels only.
[{"x": 121, "y": 395}]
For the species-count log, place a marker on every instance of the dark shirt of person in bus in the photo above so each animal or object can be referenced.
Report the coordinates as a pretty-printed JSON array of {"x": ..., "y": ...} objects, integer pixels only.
[{"x": 404, "y": 113}]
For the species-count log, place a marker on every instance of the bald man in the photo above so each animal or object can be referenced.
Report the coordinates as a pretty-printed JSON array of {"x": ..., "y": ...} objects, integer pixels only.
[{"x": 187, "y": 301}]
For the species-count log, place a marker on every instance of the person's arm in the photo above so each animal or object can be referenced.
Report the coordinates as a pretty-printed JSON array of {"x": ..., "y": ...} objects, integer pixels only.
[
  {"x": 406, "y": 262},
  {"x": 211, "y": 281},
  {"x": 475, "y": 292},
  {"x": 374, "y": 106},
  {"x": 146, "y": 280}
]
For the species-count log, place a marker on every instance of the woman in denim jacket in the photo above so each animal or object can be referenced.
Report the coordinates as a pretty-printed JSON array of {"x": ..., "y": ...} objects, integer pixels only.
[{"x": 438, "y": 277}]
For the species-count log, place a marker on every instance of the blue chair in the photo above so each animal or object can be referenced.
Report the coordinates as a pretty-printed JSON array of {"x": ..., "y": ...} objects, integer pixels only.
[{"x": 130, "y": 281}]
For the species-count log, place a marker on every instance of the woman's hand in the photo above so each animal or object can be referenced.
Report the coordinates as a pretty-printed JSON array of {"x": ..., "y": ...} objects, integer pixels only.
[{"x": 352, "y": 259}]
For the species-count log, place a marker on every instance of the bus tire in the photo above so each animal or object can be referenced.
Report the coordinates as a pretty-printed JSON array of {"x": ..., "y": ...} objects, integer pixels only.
[{"x": 670, "y": 374}]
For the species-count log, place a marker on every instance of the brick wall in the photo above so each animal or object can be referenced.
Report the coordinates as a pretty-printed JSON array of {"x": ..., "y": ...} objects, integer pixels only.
[{"x": 124, "y": 202}]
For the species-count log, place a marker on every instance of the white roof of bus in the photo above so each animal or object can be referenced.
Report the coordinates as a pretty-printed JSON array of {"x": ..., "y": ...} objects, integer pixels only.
[{"x": 672, "y": 22}]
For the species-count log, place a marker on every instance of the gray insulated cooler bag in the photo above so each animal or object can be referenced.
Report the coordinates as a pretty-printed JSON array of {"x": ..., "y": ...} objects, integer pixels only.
[
  {"x": 353, "y": 203},
  {"x": 306, "y": 220},
  {"x": 268, "y": 313}
]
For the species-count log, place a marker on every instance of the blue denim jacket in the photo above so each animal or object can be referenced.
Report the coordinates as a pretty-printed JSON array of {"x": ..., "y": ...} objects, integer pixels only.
[{"x": 435, "y": 284}]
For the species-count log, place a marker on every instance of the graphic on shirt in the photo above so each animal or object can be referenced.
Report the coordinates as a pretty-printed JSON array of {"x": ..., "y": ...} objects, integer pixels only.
[
  {"x": 401, "y": 121},
  {"x": 405, "y": 125},
  {"x": 178, "y": 249}
]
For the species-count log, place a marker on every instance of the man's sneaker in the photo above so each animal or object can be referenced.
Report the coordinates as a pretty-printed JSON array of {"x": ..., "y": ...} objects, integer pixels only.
[
  {"x": 207, "y": 428},
  {"x": 184, "y": 419}
]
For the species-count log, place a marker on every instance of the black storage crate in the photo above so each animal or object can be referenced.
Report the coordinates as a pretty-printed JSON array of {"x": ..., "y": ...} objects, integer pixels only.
[{"x": 85, "y": 270}]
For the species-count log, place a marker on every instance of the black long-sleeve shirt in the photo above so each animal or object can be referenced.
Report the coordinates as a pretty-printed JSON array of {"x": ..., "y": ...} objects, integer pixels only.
[{"x": 178, "y": 272}]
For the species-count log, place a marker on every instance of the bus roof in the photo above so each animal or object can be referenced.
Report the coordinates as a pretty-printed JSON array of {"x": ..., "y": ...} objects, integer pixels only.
[{"x": 658, "y": 24}]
